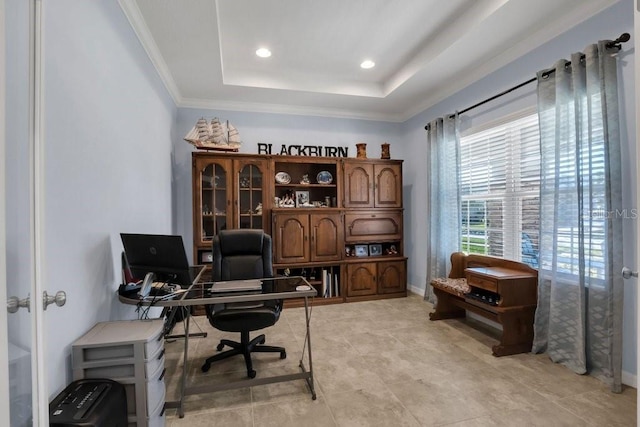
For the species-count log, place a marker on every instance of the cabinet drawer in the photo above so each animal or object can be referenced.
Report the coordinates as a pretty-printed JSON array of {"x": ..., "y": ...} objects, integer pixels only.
[
  {"x": 482, "y": 282},
  {"x": 373, "y": 226}
]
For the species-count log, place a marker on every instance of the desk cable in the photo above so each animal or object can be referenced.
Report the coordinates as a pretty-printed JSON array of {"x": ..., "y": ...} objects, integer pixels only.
[{"x": 143, "y": 310}]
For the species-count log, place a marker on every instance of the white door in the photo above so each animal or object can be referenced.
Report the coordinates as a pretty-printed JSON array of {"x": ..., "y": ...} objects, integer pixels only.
[
  {"x": 23, "y": 396},
  {"x": 636, "y": 33}
]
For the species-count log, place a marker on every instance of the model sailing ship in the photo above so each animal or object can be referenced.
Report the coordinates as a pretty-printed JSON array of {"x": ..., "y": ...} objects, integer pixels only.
[{"x": 214, "y": 136}]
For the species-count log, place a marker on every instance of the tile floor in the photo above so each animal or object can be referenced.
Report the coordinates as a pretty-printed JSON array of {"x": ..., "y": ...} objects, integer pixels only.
[{"x": 383, "y": 363}]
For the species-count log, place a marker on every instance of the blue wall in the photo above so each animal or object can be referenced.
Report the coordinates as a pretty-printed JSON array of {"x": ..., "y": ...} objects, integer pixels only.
[{"x": 108, "y": 136}]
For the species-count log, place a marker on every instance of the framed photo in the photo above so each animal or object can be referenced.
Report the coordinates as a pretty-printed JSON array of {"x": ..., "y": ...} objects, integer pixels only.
[
  {"x": 206, "y": 257},
  {"x": 362, "y": 250},
  {"x": 375, "y": 249},
  {"x": 302, "y": 198}
]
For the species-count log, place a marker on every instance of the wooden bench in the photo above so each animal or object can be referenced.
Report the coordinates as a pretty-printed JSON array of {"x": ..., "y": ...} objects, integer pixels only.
[{"x": 501, "y": 290}]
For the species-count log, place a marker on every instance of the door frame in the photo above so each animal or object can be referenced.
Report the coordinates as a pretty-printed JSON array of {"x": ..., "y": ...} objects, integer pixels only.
[
  {"x": 4, "y": 338},
  {"x": 39, "y": 387},
  {"x": 636, "y": 34},
  {"x": 39, "y": 398}
]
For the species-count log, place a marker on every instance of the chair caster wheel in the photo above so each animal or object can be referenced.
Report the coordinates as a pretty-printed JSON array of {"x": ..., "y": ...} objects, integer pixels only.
[
  {"x": 251, "y": 374},
  {"x": 205, "y": 367},
  {"x": 220, "y": 347},
  {"x": 283, "y": 355}
]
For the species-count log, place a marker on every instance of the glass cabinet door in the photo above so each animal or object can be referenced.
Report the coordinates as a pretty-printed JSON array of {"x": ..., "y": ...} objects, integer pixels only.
[
  {"x": 213, "y": 200},
  {"x": 250, "y": 196}
]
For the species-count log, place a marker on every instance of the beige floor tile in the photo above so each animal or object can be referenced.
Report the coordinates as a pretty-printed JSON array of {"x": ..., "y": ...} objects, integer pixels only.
[
  {"x": 601, "y": 407},
  {"x": 382, "y": 363},
  {"x": 234, "y": 417},
  {"x": 295, "y": 413},
  {"x": 369, "y": 408},
  {"x": 340, "y": 374},
  {"x": 543, "y": 416}
]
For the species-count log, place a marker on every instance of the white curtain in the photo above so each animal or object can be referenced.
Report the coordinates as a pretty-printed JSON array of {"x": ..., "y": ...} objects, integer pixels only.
[
  {"x": 443, "y": 160},
  {"x": 579, "y": 317}
]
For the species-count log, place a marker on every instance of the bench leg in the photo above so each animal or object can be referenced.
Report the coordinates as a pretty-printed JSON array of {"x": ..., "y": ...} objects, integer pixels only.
[
  {"x": 517, "y": 332},
  {"x": 446, "y": 307}
]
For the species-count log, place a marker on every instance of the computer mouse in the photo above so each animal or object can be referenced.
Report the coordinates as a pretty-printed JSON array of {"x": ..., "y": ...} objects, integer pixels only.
[{"x": 303, "y": 288}]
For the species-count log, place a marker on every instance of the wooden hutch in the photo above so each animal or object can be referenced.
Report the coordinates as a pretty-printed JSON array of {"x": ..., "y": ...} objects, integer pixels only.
[{"x": 344, "y": 233}]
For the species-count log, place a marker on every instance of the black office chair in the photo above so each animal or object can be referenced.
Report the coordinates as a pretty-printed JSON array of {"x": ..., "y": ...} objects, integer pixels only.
[{"x": 237, "y": 255}]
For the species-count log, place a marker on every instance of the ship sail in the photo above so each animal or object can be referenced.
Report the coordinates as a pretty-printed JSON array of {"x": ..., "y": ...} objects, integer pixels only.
[
  {"x": 218, "y": 133},
  {"x": 200, "y": 132},
  {"x": 214, "y": 135},
  {"x": 233, "y": 136}
]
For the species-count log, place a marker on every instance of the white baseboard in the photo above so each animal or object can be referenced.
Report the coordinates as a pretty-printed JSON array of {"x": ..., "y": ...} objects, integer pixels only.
[
  {"x": 627, "y": 378},
  {"x": 415, "y": 289}
]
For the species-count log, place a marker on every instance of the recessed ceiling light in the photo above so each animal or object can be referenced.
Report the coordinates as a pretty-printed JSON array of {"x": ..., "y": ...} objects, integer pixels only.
[
  {"x": 367, "y": 64},
  {"x": 263, "y": 52}
]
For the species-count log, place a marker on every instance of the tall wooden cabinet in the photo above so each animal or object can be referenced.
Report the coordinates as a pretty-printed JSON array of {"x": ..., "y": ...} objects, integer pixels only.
[
  {"x": 337, "y": 221},
  {"x": 227, "y": 193}
]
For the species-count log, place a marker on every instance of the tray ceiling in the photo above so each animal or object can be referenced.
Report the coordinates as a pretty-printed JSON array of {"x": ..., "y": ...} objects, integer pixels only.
[{"x": 424, "y": 50}]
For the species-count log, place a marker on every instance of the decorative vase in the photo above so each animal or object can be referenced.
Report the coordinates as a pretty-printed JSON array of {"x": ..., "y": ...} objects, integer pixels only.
[
  {"x": 362, "y": 150},
  {"x": 385, "y": 152}
]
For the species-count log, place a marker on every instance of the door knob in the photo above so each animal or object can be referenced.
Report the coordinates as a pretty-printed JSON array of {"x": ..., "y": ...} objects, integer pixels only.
[
  {"x": 60, "y": 298},
  {"x": 627, "y": 273},
  {"x": 15, "y": 303}
]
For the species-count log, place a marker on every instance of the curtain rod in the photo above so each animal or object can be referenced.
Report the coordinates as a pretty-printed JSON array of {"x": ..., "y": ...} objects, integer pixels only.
[{"x": 624, "y": 37}]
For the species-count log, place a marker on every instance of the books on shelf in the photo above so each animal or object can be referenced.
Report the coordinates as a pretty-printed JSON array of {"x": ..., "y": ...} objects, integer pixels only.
[{"x": 330, "y": 283}]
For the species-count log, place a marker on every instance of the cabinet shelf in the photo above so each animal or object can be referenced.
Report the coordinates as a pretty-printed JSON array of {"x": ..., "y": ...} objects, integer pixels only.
[
  {"x": 305, "y": 185},
  {"x": 358, "y": 259}
]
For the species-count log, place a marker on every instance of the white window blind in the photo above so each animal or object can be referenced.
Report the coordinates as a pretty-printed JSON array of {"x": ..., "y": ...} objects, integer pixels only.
[{"x": 500, "y": 190}]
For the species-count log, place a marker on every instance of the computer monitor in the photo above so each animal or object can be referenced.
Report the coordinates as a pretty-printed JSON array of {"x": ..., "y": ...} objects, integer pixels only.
[{"x": 163, "y": 255}]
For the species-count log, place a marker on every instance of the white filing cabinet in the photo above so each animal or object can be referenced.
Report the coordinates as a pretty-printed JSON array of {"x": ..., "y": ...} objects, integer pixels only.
[{"x": 132, "y": 353}]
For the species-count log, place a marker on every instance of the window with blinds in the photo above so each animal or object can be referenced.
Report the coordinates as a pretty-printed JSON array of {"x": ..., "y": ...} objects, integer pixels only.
[{"x": 500, "y": 190}]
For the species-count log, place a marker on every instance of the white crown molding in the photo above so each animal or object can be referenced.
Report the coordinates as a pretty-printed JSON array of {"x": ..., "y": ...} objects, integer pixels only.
[
  {"x": 133, "y": 14},
  {"x": 543, "y": 35},
  {"x": 286, "y": 109}
]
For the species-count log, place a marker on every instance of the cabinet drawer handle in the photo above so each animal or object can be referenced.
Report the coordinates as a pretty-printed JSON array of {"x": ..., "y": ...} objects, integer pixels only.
[
  {"x": 161, "y": 354},
  {"x": 162, "y": 374}
]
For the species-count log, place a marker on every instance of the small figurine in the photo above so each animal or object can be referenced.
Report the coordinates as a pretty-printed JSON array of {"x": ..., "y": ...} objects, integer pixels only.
[
  {"x": 305, "y": 179},
  {"x": 347, "y": 251},
  {"x": 385, "y": 154},
  {"x": 259, "y": 209},
  {"x": 362, "y": 150},
  {"x": 287, "y": 202},
  {"x": 392, "y": 250}
]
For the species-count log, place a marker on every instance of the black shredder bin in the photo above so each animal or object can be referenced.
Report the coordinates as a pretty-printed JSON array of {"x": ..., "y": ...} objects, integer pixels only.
[{"x": 90, "y": 402}]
